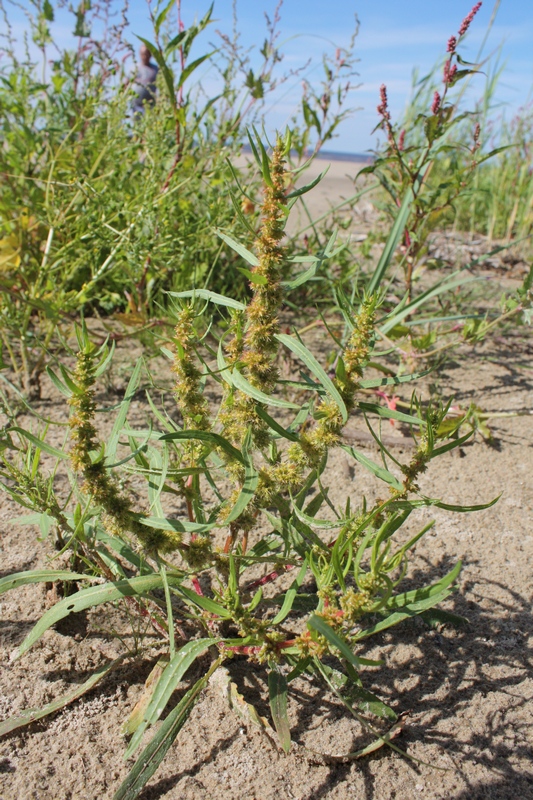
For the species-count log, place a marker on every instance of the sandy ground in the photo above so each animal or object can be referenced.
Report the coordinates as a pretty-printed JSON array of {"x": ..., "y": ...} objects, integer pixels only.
[{"x": 468, "y": 691}]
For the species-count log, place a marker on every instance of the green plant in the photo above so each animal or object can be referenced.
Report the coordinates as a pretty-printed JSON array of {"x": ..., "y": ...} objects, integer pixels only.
[
  {"x": 251, "y": 478},
  {"x": 102, "y": 213}
]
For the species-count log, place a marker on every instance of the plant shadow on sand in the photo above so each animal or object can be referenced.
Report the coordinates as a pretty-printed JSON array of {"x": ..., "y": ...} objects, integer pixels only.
[{"x": 461, "y": 687}]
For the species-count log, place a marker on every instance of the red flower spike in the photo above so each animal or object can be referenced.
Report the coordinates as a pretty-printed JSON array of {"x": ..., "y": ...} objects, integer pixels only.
[{"x": 468, "y": 19}]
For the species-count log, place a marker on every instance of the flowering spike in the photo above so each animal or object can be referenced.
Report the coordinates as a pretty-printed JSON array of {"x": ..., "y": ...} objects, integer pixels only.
[
  {"x": 383, "y": 108},
  {"x": 452, "y": 44},
  {"x": 450, "y": 71},
  {"x": 401, "y": 140},
  {"x": 435, "y": 107},
  {"x": 468, "y": 19}
]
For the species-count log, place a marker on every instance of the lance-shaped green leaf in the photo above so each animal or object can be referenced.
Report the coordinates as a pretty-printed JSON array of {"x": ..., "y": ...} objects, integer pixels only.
[
  {"x": 171, "y": 676},
  {"x": 354, "y": 693},
  {"x": 312, "y": 364},
  {"x": 40, "y": 576},
  {"x": 277, "y": 693},
  {"x": 33, "y": 714},
  {"x": 212, "y": 297},
  {"x": 112, "y": 442},
  {"x": 205, "y": 603},
  {"x": 423, "y": 599},
  {"x": 214, "y": 439},
  {"x": 392, "y": 242},
  {"x": 302, "y": 277},
  {"x": 307, "y": 188},
  {"x": 313, "y": 522},
  {"x": 239, "y": 248},
  {"x": 251, "y": 478},
  {"x": 46, "y": 448},
  {"x": 464, "y": 509},
  {"x": 447, "y": 284},
  {"x": 189, "y": 69},
  {"x": 451, "y": 445},
  {"x": 380, "y": 472},
  {"x": 388, "y": 413},
  {"x": 254, "y": 277},
  {"x": 290, "y": 595},
  {"x": 181, "y": 526},
  {"x": 416, "y": 596},
  {"x": 375, "y": 383},
  {"x": 275, "y": 426},
  {"x": 321, "y": 626},
  {"x": 154, "y": 753},
  {"x": 94, "y": 596},
  {"x": 240, "y": 382}
]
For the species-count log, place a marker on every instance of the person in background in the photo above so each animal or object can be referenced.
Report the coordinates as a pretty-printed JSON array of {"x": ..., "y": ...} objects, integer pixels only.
[{"x": 145, "y": 81}]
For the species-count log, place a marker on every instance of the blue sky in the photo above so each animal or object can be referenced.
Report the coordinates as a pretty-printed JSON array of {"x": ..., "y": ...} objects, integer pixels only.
[{"x": 394, "y": 38}]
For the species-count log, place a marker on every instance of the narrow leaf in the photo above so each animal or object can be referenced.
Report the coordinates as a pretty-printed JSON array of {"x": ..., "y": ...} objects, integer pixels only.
[
  {"x": 277, "y": 692},
  {"x": 212, "y": 297},
  {"x": 167, "y": 683},
  {"x": 239, "y": 248},
  {"x": 40, "y": 576},
  {"x": 154, "y": 753},
  {"x": 290, "y": 595},
  {"x": 33, "y": 714},
  {"x": 94, "y": 596},
  {"x": 214, "y": 439},
  {"x": 321, "y": 626},
  {"x": 240, "y": 382},
  {"x": 310, "y": 361},
  {"x": 380, "y": 472}
]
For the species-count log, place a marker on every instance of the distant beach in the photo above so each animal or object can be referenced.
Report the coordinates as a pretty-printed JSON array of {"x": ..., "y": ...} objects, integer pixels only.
[
  {"x": 336, "y": 185},
  {"x": 330, "y": 155}
]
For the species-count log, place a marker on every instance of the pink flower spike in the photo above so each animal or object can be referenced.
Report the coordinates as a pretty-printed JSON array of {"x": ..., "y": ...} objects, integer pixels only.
[
  {"x": 449, "y": 72},
  {"x": 468, "y": 19},
  {"x": 401, "y": 141},
  {"x": 383, "y": 108},
  {"x": 436, "y": 103},
  {"x": 452, "y": 44}
]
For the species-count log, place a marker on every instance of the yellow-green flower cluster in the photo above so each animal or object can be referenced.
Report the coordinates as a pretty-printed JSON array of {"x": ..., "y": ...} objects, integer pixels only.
[
  {"x": 313, "y": 445},
  {"x": 87, "y": 458},
  {"x": 191, "y": 401},
  {"x": 254, "y": 344}
]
